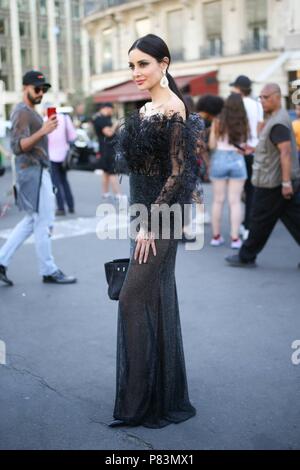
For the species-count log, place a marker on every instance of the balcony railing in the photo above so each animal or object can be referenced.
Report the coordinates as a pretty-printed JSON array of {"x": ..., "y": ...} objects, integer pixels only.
[
  {"x": 213, "y": 48},
  {"x": 107, "y": 66},
  {"x": 177, "y": 55},
  {"x": 258, "y": 44},
  {"x": 94, "y": 6}
]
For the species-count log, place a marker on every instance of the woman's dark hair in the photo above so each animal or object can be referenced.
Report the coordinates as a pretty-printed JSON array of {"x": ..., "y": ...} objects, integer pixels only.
[
  {"x": 233, "y": 120},
  {"x": 246, "y": 91},
  {"x": 210, "y": 104},
  {"x": 189, "y": 102},
  {"x": 156, "y": 47}
]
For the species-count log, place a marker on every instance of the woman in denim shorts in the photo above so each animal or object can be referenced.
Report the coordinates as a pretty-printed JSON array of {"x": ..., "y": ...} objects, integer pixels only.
[{"x": 228, "y": 169}]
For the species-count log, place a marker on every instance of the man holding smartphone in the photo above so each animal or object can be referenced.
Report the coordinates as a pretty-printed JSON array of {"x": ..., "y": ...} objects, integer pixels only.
[{"x": 34, "y": 192}]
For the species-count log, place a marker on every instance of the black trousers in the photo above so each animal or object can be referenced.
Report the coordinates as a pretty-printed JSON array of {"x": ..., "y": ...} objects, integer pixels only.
[
  {"x": 63, "y": 191},
  {"x": 268, "y": 207},
  {"x": 249, "y": 191}
]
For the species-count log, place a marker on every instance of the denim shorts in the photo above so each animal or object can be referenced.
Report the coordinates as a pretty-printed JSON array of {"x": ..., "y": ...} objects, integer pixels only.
[{"x": 227, "y": 164}]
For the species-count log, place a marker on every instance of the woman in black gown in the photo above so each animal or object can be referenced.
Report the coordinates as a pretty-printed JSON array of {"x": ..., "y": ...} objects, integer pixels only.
[{"x": 159, "y": 147}]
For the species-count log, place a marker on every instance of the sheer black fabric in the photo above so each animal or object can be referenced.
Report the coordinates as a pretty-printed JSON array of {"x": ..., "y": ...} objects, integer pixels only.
[
  {"x": 164, "y": 146},
  {"x": 151, "y": 385}
]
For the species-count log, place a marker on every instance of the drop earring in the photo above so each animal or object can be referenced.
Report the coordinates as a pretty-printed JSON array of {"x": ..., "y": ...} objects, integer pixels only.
[{"x": 164, "y": 82}]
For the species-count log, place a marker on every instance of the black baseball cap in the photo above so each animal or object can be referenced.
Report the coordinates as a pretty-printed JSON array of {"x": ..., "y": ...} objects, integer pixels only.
[
  {"x": 35, "y": 78},
  {"x": 242, "y": 81}
]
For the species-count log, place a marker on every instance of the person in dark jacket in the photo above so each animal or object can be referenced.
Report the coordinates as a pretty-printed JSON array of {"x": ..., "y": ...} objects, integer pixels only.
[{"x": 105, "y": 131}]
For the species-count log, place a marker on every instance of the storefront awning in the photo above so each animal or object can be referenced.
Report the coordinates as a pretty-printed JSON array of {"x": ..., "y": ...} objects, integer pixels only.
[{"x": 193, "y": 85}]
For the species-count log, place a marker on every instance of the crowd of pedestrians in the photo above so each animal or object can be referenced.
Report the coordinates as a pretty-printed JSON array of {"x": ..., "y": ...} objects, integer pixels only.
[
  {"x": 251, "y": 156},
  {"x": 253, "y": 159},
  {"x": 276, "y": 179}
]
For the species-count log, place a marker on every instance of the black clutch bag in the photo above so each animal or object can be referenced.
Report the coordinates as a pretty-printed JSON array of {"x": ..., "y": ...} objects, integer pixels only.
[{"x": 115, "y": 272}]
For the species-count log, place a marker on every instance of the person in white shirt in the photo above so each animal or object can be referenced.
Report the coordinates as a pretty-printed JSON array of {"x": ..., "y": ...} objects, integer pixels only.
[{"x": 255, "y": 114}]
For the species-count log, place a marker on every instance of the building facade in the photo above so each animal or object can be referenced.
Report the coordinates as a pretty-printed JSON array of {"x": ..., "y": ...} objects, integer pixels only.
[
  {"x": 43, "y": 35},
  {"x": 258, "y": 38}
]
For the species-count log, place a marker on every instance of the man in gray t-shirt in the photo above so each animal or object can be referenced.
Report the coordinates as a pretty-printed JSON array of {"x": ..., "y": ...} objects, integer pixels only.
[
  {"x": 30, "y": 159},
  {"x": 34, "y": 192}
]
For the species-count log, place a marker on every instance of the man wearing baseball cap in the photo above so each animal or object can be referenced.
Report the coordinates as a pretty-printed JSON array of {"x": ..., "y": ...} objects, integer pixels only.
[
  {"x": 34, "y": 78},
  {"x": 242, "y": 81},
  {"x": 34, "y": 192}
]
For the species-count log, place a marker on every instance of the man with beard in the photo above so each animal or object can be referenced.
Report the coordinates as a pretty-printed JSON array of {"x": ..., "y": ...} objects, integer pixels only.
[{"x": 34, "y": 192}]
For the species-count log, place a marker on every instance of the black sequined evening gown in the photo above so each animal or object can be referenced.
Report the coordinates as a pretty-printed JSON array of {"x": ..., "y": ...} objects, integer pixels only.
[{"x": 151, "y": 384}]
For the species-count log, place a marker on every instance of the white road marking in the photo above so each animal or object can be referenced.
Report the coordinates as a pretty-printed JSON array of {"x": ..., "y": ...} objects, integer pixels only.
[
  {"x": 103, "y": 226},
  {"x": 2, "y": 352},
  {"x": 78, "y": 227}
]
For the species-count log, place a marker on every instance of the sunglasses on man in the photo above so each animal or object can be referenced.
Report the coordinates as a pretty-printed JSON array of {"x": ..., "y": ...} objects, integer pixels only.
[
  {"x": 38, "y": 89},
  {"x": 266, "y": 97}
]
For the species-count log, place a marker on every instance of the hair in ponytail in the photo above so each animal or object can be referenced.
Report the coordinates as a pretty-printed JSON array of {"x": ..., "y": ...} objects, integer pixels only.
[
  {"x": 156, "y": 47},
  {"x": 175, "y": 89}
]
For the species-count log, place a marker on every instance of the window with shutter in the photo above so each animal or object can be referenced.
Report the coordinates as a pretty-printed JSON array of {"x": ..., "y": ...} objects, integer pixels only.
[{"x": 175, "y": 34}]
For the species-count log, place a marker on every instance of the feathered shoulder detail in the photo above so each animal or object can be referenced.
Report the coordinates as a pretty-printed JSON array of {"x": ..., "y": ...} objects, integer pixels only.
[{"x": 161, "y": 145}]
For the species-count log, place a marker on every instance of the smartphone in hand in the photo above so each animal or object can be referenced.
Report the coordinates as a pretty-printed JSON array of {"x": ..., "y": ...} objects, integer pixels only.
[{"x": 51, "y": 111}]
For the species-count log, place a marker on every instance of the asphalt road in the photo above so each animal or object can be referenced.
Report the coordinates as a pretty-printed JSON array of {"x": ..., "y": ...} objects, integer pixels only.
[{"x": 57, "y": 386}]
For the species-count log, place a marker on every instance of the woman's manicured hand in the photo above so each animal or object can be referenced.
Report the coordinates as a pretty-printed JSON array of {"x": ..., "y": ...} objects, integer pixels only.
[{"x": 144, "y": 240}]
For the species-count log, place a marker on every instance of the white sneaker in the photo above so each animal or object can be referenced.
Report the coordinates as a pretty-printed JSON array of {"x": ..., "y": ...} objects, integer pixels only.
[
  {"x": 236, "y": 244},
  {"x": 245, "y": 234},
  {"x": 217, "y": 241}
]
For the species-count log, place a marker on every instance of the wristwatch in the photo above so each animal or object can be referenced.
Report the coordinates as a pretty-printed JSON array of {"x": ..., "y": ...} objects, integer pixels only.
[{"x": 286, "y": 184}]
